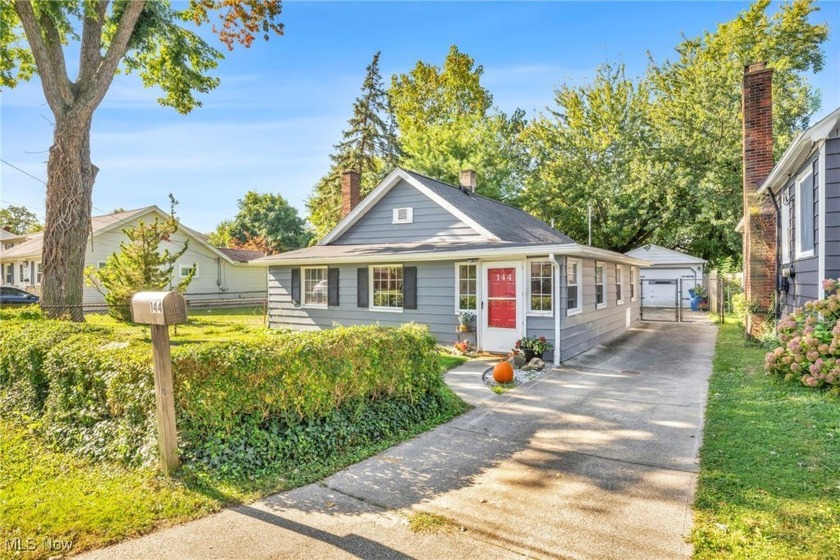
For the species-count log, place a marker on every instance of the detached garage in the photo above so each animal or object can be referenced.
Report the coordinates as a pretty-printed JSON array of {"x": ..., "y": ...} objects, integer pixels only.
[{"x": 669, "y": 267}]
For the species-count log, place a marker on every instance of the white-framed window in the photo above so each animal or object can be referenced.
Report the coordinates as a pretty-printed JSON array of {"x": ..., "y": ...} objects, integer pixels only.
[
  {"x": 600, "y": 296},
  {"x": 10, "y": 274},
  {"x": 619, "y": 284},
  {"x": 574, "y": 297},
  {"x": 315, "y": 286},
  {"x": 805, "y": 214},
  {"x": 403, "y": 215},
  {"x": 466, "y": 277},
  {"x": 38, "y": 273},
  {"x": 785, "y": 210},
  {"x": 540, "y": 288},
  {"x": 386, "y": 287},
  {"x": 632, "y": 283},
  {"x": 184, "y": 270},
  {"x": 24, "y": 272}
]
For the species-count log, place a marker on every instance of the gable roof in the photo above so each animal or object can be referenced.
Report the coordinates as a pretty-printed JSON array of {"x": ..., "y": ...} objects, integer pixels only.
[
  {"x": 491, "y": 219},
  {"x": 800, "y": 149},
  {"x": 662, "y": 256},
  {"x": 7, "y": 235},
  {"x": 505, "y": 222},
  {"x": 33, "y": 247}
]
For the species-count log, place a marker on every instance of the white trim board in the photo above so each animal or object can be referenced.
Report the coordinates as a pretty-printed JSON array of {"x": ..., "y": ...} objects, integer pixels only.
[{"x": 822, "y": 192}]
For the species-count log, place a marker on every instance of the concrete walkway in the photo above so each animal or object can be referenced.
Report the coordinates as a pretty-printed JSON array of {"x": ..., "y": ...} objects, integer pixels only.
[{"x": 597, "y": 459}]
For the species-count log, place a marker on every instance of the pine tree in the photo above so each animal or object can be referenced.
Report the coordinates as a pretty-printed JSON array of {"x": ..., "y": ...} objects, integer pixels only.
[
  {"x": 140, "y": 265},
  {"x": 369, "y": 145}
]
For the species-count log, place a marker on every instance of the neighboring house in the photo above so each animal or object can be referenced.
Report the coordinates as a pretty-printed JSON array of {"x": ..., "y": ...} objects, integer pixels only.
[
  {"x": 220, "y": 273},
  {"x": 791, "y": 224},
  {"x": 416, "y": 249},
  {"x": 805, "y": 186},
  {"x": 7, "y": 241},
  {"x": 668, "y": 266}
]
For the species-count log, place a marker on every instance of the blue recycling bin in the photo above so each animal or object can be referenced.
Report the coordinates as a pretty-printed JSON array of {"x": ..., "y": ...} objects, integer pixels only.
[{"x": 695, "y": 301}]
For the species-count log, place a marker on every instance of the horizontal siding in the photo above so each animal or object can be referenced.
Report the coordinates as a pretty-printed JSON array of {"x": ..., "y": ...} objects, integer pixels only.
[
  {"x": 594, "y": 326},
  {"x": 435, "y": 303},
  {"x": 832, "y": 204},
  {"x": 436, "y": 307},
  {"x": 804, "y": 285},
  {"x": 431, "y": 221}
]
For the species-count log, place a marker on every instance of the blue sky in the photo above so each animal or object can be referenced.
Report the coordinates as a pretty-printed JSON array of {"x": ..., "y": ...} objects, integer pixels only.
[{"x": 282, "y": 105}]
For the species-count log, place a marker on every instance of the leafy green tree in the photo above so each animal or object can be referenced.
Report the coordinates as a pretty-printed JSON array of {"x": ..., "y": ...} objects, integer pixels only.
[
  {"x": 149, "y": 37},
  {"x": 19, "y": 220},
  {"x": 697, "y": 112},
  {"x": 659, "y": 158},
  {"x": 266, "y": 222},
  {"x": 140, "y": 265},
  {"x": 369, "y": 146},
  {"x": 446, "y": 123},
  {"x": 221, "y": 237},
  {"x": 596, "y": 149}
]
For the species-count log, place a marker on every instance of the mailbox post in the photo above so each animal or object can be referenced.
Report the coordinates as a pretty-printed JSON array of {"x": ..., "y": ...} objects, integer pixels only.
[{"x": 161, "y": 309}]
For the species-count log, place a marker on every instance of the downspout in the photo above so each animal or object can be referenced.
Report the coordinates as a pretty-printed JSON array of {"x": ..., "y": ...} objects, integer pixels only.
[
  {"x": 778, "y": 311},
  {"x": 556, "y": 306}
]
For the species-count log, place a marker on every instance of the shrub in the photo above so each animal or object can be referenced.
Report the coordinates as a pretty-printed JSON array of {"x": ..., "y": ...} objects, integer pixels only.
[
  {"x": 810, "y": 343},
  {"x": 25, "y": 313},
  {"x": 239, "y": 405}
]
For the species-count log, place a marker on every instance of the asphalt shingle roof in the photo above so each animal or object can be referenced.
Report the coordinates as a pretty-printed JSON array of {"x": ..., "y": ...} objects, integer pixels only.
[
  {"x": 241, "y": 255},
  {"x": 505, "y": 222}
]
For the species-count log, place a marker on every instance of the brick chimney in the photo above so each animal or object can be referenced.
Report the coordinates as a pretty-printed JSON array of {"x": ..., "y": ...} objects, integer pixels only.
[
  {"x": 350, "y": 191},
  {"x": 759, "y": 236},
  {"x": 468, "y": 180}
]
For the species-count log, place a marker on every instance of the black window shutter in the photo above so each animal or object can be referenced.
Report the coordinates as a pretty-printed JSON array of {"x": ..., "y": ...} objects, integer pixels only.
[
  {"x": 332, "y": 286},
  {"x": 362, "y": 287},
  {"x": 409, "y": 287},
  {"x": 296, "y": 286}
]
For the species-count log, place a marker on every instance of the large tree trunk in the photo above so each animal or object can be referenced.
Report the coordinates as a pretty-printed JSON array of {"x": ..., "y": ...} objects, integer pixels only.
[{"x": 70, "y": 177}]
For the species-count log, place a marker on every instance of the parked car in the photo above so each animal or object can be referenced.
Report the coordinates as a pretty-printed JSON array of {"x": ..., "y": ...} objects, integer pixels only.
[{"x": 13, "y": 297}]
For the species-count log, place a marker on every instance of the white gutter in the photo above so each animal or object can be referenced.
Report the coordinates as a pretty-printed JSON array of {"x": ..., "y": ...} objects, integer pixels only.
[
  {"x": 556, "y": 267},
  {"x": 566, "y": 249}
]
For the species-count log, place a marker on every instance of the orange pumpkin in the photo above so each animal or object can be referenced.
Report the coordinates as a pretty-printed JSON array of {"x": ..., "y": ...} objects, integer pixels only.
[{"x": 503, "y": 372}]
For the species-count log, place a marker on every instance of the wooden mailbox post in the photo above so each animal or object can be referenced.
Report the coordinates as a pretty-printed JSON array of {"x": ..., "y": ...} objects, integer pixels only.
[{"x": 161, "y": 309}]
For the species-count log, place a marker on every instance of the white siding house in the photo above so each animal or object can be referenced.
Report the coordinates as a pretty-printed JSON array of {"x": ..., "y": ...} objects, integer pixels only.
[{"x": 220, "y": 273}]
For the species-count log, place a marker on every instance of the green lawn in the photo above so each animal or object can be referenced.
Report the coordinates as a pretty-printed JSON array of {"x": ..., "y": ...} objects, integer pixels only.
[
  {"x": 203, "y": 325},
  {"x": 769, "y": 483},
  {"x": 46, "y": 494}
]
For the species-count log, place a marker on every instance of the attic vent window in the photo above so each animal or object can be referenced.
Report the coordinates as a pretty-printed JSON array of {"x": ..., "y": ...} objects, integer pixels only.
[{"x": 403, "y": 216}]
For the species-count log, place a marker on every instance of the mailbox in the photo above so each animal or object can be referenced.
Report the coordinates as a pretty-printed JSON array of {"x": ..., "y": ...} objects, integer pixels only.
[{"x": 158, "y": 308}]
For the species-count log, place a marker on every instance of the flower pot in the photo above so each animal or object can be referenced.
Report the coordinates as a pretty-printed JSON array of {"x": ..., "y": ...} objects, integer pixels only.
[
  {"x": 463, "y": 328},
  {"x": 529, "y": 354}
]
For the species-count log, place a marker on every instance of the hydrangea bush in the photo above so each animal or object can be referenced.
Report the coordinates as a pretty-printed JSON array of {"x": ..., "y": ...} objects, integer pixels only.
[{"x": 810, "y": 342}]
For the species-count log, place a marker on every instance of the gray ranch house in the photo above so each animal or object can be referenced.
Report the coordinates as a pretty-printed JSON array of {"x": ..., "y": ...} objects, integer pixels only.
[{"x": 416, "y": 249}]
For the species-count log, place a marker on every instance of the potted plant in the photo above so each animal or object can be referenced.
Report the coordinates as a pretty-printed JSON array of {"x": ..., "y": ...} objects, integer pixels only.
[
  {"x": 466, "y": 320},
  {"x": 533, "y": 347}
]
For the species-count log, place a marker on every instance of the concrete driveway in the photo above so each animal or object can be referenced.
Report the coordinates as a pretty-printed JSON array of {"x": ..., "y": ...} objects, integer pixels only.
[{"x": 597, "y": 459}]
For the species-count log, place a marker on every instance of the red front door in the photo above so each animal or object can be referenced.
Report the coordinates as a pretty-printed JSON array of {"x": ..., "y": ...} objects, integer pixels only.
[{"x": 502, "y": 306}]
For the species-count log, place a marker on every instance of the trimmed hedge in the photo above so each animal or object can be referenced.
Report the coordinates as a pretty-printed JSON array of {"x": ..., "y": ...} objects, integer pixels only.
[{"x": 240, "y": 405}]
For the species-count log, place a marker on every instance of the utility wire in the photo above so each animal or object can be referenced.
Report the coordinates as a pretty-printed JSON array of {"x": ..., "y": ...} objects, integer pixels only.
[
  {"x": 24, "y": 172},
  {"x": 44, "y": 182}
]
